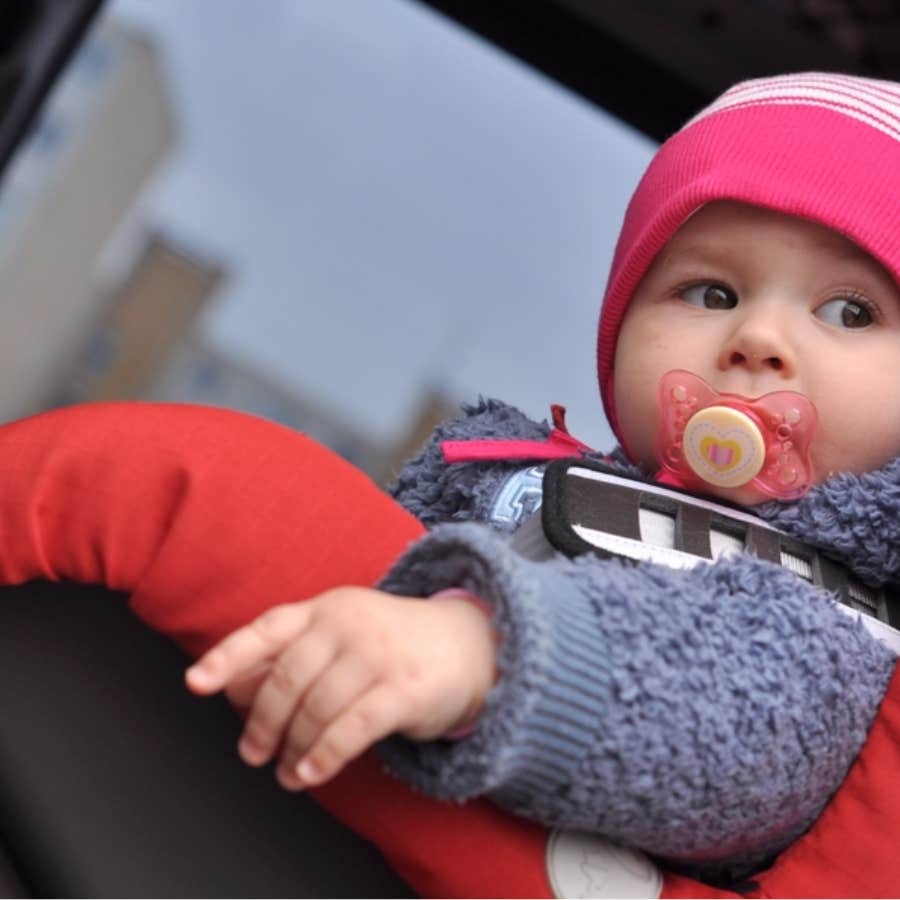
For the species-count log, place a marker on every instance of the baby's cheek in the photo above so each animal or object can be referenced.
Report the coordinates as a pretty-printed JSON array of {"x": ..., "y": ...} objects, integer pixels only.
[
  {"x": 638, "y": 420},
  {"x": 858, "y": 443}
]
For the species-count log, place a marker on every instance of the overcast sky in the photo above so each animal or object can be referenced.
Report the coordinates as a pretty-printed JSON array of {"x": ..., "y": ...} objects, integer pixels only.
[{"x": 399, "y": 203}]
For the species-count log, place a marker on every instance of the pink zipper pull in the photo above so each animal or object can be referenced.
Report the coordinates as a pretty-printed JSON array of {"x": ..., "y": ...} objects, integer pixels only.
[
  {"x": 558, "y": 445},
  {"x": 558, "y": 414}
]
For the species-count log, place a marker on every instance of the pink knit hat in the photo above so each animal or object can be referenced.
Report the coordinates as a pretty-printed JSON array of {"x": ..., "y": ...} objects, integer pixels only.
[{"x": 820, "y": 146}]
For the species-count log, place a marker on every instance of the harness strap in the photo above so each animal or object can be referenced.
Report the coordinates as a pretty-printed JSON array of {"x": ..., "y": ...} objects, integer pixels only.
[{"x": 589, "y": 508}]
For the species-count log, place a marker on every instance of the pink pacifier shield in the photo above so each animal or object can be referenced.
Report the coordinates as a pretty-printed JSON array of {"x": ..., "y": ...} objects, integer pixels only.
[{"x": 727, "y": 440}]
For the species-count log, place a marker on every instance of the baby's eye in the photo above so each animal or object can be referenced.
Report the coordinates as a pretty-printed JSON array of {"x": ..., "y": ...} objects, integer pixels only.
[
  {"x": 710, "y": 296},
  {"x": 846, "y": 313}
]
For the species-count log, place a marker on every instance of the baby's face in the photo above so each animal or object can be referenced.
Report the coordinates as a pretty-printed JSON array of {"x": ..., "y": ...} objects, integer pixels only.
[{"x": 754, "y": 301}]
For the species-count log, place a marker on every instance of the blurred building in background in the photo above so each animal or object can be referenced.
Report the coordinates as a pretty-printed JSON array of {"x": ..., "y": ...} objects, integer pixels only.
[
  {"x": 75, "y": 334},
  {"x": 139, "y": 326},
  {"x": 433, "y": 408},
  {"x": 203, "y": 373},
  {"x": 144, "y": 343},
  {"x": 103, "y": 132}
]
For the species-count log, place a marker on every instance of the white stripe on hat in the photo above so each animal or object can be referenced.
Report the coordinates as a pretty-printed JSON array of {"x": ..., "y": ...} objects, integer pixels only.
[
  {"x": 871, "y": 85},
  {"x": 887, "y": 102},
  {"x": 874, "y": 102},
  {"x": 867, "y": 94}
]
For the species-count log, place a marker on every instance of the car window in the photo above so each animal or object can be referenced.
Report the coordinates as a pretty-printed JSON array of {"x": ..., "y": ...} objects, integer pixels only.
[{"x": 347, "y": 217}]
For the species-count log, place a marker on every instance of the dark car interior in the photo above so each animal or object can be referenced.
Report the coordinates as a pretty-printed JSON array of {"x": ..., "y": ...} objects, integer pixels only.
[{"x": 114, "y": 781}]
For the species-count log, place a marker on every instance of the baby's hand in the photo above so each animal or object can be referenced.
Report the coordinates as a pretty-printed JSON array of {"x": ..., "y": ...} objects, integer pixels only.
[{"x": 326, "y": 678}]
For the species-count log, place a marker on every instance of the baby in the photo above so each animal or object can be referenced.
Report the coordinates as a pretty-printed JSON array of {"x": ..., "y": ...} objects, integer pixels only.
[{"x": 704, "y": 715}]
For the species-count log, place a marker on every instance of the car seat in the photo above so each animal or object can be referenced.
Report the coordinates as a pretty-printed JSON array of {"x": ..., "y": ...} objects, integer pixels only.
[{"x": 115, "y": 781}]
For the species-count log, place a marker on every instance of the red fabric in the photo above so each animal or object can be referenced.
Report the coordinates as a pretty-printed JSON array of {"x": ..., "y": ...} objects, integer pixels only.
[{"x": 208, "y": 517}]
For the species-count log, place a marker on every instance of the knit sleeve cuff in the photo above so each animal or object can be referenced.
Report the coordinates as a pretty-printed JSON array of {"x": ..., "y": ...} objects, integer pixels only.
[{"x": 543, "y": 714}]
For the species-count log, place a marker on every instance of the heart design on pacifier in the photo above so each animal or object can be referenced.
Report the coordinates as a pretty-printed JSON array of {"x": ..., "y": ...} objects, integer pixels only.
[
  {"x": 723, "y": 446},
  {"x": 721, "y": 454}
]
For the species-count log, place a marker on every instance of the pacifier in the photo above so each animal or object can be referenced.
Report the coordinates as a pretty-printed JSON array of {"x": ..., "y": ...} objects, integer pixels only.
[{"x": 727, "y": 440}]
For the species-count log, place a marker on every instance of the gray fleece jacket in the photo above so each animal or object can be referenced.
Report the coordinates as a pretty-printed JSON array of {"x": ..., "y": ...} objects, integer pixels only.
[{"x": 705, "y": 716}]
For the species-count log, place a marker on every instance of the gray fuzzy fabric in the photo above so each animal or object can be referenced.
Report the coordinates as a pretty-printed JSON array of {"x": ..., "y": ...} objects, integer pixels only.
[
  {"x": 705, "y": 716},
  {"x": 709, "y": 728},
  {"x": 435, "y": 492},
  {"x": 855, "y": 517}
]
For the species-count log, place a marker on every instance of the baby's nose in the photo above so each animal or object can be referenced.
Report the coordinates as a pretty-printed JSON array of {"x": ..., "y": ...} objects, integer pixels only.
[
  {"x": 739, "y": 358},
  {"x": 760, "y": 343}
]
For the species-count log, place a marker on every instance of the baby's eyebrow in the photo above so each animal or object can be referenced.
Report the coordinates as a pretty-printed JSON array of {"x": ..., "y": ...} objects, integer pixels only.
[
  {"x": 846, "y": 250},
  {"x": 706, "y": 254},
  {"x": 853, "y": 253},
  {"x": 722, "y": 253}
]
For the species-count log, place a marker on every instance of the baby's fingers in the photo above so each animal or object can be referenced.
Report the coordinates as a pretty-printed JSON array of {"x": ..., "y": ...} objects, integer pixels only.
[
  {"x": 376, "y": 714},
  {"x": 278, "y": 696},
  {"x": 340, "y": 685},
  {"x": 264, "y": 638},
  {"x": 241, "y": 691}
]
